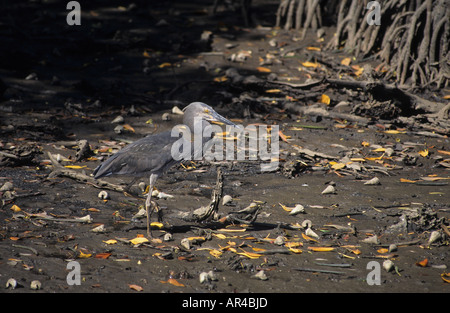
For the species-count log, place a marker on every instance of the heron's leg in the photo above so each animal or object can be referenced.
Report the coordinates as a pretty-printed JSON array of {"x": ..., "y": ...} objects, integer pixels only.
[{"x": 148, "y": 202}]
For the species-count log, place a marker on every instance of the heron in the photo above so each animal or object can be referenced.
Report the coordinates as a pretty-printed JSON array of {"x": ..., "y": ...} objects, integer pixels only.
[{"x": 153, "y": 155}]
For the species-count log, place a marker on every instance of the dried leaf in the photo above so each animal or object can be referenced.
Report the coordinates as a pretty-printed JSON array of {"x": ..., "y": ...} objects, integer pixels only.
[
  {"x": 273, "y": 90},
  {"x": 308, "y": 238},
  {"x": 75, "y": 166},
  {"x": 83, "y": 255},
  {"x": 383, "y": 250},
  {"x": 165, "y": 64},
  {"x": 220, "y": 79},
  {"x": 138, "y": 240},
  {"x": 394, "y": 131},
  {"x": 110, "y": 241},
  {"x": 423, "y": 263},
  {"x": 172, "y": 281},
  {"x": 346, "y": 61},
  {"x": 15, "y": 208},
  {"x": 283, "y": 136},
  {"x": 135, "y": 287},
  {"x": 321, "y": 249},
  {"x": 325, "y": 99},
  {"x": 313, "y": 48},
  {"x": 263, "y": 69},
  {"x": 444, "y": 152},
  {"x": 103, "y": 255},
  {"x": 424, "y": 153},
  {"x": 446, "y": 277},
  {"x": 404, "y": 180},
  {"x": 215, "y": 253},
  {"x": 310, "y": 64},
  {"x": 128, "y": 127}
]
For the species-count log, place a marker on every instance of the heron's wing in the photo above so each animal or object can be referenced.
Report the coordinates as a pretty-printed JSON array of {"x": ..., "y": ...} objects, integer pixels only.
[{"x": 151, "y": 154}]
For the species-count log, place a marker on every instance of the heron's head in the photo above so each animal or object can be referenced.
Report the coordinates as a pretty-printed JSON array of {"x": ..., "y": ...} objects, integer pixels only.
[{"x": 202, "y": 111}]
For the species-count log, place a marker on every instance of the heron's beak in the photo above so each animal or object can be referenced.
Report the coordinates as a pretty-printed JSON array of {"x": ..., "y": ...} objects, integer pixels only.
[{"x": 218, "y": 119}]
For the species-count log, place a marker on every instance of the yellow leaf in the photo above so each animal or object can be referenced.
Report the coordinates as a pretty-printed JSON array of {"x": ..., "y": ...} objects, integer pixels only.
[
  {"x": 383, "y": 250},
  {"x": 346, "y": 61},
  {"x": 310, "y": 64},
  {"x": 258, "y": 249},
  {"x": 215, "y": 253},
  {"x": 165, "y": 64},
  {"x": 263, "y": 69},
  {"x": 128, "y": 127},
  {"x": 308, "y": 238},
  {"x": 138, "y": 240},
  {"x": 293, "y": 244},
  {"x": 84, "y": 255},
  {"x": 295, "y": 250},
  {"x": 157, "y": 224},
  {"x": 379, "y": 150},
  {"x": 321, "y": 249},
  {"x": 394, "y": 131},
  {"x": 15, "y": 208},
  {"x": 285, "y": 207},
  {"x": 249, "y": 255},
  {"x": 337, "y": 166},
  {"x": 75, "y": 166},
  {"x": 446, "y": 97},
  {"x": 365, "y": 144},
  {"x": 325, "y": 99},
  {"x": 424, "y": 153},
  {"x": 313, "y": 48},
  {"x": 404, "y": 180},
  {"x": 220, "y": 236},
  {"x": 446, "y": 277},
  {"x": 444, "y": 152},
  {"x": 358, "y": 70},
  {"x": 273, "y": 90},
  {"x": 220, "y": 79},
  {"x": 110, "y": 241},
  {"x": 146, "y": 54}
]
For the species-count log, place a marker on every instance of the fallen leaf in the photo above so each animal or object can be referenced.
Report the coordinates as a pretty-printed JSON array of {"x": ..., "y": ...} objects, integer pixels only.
[
  {"x": 446, "y": 277},
  {"x": 15, "y": 208},
  {"x": 165, "y": 64},
  {"x": 383, "y": 250},
  {"x": 220, "y": 79},
  {"x": 135, "y": 287},
  {"x": 394, "y": 131},
  {"x": 75, "y": 166},
  {"x": 103, "y": 255},
  {"x": 346, "y": 61},
  {"x": 263, "y": 69},
  {"x": 249, "y": 255},
  {"x": 365, "y": 144},
  {"x": 321, "y": 249},
  {"x": 308, "y": 238},
  {"x": 283, "y": 136},
  {"x": 172, "y": 281},
  {"x": 423, "y": 263},
  {"x": 273, "y": 90},
  {"x": 310, "y": 64},
  {"x": 83, "y": 255},
  {"x": 215, "y": 253},
  {"x": 128, "y": 127},
  {"x": 325, "y": 99},
  {"x": 14, "y": 238},
  {"x": 146, "y": 54},
  {"x": 138, "y": 240},
  {"x": 337, "y": 166},
  {"x": 404, "y": 180},
  {"x": 424, "y": 153},
  {"x": 313, "y": 48},
  {"x": 110, "y": 241}
]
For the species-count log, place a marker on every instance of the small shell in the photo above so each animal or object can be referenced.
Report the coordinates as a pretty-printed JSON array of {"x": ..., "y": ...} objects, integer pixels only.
[
  {"x": 330, "y": 189},
  {"x": 203, "y": 277},
  {"x": 373, "y": 181},
  {"x": 309, "y": 232},
  {"x": 176, "y": 110},
  {"x": 11, "y": 283},
  {"x": 35, "y": 285},
  {"x": 103, "y": 195},
  {"x": 85, "y": 219},
  {"x": 388, "y": 265},
  {"x": 8, "y": 186},
  {"x": 168, "y": 237},
  {"x": 212, "y": 276},
  {"x": 372, "y": 240},
  {"x": 166, "y": 117},
  {"x": 307, "y": 224},
  {"x": 118, "y": 129},
  {"x": 163, "y": 195},
  {"x": 226, "y": 199},
  {"x": 279, "y": 240},
  {"x": 434, "y": 236},
  {"x": 297, "y": 209},
  {"x": 185, "y": 243},
  {"x": 98, "y": 229},
  {"x": 118, "y": 120},
  {"x": 142, "y": 186},
  {"x": 261, "y": 275},
  {"x": 392, "y": 248}
]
